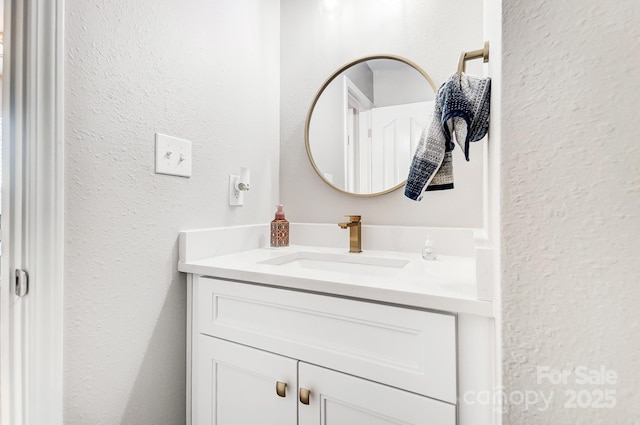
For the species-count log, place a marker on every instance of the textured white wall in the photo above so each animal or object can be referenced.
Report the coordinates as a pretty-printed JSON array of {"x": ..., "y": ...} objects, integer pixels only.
[
  {"x": 571, "y": 203},
  {"x": 200, "y": 70},
  {"x": 430, "y": 33}
]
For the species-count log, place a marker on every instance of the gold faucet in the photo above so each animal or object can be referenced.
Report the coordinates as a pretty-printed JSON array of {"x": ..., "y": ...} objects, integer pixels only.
[{"x": 355, "y": 232}]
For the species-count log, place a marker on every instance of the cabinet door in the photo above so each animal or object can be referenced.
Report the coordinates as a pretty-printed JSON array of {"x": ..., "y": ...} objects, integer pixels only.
[
  {"x": 237, "y": 385},
  {"x": 339, "y": 399}
]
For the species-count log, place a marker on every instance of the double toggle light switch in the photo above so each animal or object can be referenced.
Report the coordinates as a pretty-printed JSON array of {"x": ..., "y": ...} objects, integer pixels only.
[{"x": 173, "y": 156}]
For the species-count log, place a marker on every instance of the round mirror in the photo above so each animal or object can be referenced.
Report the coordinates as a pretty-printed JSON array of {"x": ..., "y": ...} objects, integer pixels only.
[{"x": 365, "y": 122}]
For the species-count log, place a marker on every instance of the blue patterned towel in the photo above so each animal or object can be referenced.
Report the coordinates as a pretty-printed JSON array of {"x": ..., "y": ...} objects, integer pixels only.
[{"x": 461, "y": 108}]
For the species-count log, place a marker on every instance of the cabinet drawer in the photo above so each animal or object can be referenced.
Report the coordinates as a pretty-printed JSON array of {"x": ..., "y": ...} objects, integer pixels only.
[{"x": 404, "y": 348}]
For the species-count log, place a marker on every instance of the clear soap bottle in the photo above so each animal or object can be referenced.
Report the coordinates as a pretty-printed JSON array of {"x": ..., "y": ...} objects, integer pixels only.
[{"x": 429, "y": 250}]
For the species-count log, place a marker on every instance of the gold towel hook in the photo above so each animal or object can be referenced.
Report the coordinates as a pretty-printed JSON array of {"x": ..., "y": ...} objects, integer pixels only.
[{"x": 474, "y": 54}]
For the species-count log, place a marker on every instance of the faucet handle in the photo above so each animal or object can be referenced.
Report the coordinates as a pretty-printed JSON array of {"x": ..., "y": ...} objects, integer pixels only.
[{"x": 354, "y": 218}]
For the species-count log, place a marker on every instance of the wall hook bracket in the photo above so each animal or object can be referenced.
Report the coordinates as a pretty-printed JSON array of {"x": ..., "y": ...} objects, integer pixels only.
[{"x": 471, "y": 55}]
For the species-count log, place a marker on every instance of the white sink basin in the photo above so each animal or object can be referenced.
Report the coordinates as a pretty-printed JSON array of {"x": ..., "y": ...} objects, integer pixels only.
[{"x": 345, "y": 263}]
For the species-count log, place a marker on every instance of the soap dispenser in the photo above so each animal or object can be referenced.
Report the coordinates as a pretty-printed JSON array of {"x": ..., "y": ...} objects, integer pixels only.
[
  {"x": 429, "y": 250},
  {"x": 279, "y": 229}
]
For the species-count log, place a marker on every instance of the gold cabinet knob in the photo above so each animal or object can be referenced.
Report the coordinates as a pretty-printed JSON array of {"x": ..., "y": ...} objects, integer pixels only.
[
  {"x": 281, "y": 388},
  {"x": 304, "y": 395}
]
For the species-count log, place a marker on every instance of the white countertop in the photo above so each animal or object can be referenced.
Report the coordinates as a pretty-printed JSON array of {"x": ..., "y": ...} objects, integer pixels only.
[{"x": 446, "y": 284}]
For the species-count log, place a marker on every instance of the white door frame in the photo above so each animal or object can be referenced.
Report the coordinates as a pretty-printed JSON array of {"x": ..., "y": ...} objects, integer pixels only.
[{"x": 33, "y": 213}]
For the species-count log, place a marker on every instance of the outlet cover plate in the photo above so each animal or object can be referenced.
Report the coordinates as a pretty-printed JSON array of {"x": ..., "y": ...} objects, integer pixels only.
[
  {"x": 236, "y": 197},
  {"x": 173, "y": 156}
]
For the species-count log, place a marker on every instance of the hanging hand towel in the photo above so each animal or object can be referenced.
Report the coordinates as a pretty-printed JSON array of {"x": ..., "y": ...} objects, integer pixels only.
[
  {"x": 431, "y": 166},
  {"x": 467, "y": 103},
  {"x": 461, "y": 107}
]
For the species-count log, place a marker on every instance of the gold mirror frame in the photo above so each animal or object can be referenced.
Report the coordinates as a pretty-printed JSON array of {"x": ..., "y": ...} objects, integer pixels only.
[{"x": 315, "y": 101}]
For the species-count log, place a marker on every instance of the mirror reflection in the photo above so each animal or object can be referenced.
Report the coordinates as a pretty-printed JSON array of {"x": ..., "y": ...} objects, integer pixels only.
[{"x": 365, "y": 122}]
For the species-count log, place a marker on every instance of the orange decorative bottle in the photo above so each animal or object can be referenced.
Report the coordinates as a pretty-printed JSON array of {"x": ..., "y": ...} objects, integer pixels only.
[{"x": 279, "y": 229}]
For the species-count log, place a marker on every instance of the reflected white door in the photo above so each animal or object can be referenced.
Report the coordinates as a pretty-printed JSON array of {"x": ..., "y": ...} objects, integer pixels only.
[{"x": 395, "y": 134}]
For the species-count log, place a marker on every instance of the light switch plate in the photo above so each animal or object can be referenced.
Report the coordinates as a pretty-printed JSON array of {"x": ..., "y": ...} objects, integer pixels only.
[{"x": 173, "y": 156}]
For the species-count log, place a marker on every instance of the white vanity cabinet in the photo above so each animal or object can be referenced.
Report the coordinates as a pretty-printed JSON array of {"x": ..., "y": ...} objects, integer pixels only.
[{"x": 363, "y": 363}]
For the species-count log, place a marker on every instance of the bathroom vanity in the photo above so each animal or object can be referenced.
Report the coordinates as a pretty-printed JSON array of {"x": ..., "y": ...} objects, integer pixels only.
[{"x": 316, "y": 335}]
